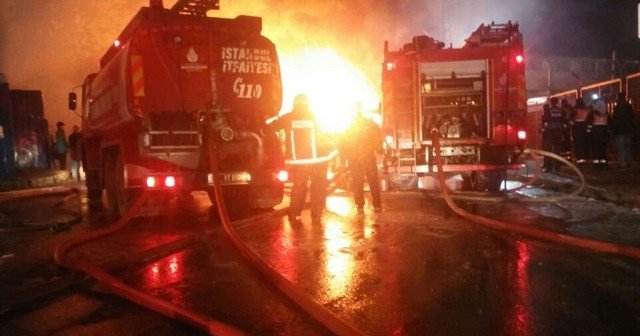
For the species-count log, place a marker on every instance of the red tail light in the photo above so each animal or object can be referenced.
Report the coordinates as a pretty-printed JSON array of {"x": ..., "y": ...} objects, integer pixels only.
[
  {"x": 522, "y": 135},
  {"x": 519, "y": 59},
  {"x": 283, "y": 176},
  {"x": 169, "y": 181},
  {"x": 151, "y": 182}
]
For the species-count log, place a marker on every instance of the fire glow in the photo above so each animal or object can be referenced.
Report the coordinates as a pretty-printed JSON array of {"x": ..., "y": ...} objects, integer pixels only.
[{"x": 332, "y": 83}]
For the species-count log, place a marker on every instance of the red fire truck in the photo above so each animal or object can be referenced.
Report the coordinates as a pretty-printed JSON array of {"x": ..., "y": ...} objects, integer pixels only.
[
  {"x": 473, "y": 96},
  {"x": 170, "y": 73}
]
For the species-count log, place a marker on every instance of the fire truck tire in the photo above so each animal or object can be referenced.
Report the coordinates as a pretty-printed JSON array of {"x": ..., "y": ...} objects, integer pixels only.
[
  {"x": 94, "y": 190},
  {"x": 110, "y": 183},
  {"x": 490, "y": 180},
  {"x": 125, "y": 197}
]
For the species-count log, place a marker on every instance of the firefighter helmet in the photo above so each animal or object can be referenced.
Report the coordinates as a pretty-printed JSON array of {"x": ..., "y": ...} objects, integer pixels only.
[{"x": 301, "y": 101}]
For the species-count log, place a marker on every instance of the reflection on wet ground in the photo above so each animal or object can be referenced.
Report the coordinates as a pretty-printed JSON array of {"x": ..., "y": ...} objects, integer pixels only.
[{"x": 413, "y": 269}]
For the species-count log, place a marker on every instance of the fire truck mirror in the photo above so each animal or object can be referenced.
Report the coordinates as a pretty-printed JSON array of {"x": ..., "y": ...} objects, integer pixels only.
[{"x": 73, "y": 101}]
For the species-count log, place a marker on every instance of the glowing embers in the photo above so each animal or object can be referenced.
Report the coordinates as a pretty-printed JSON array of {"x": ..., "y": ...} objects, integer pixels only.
[{"x": 162, "y": 181}]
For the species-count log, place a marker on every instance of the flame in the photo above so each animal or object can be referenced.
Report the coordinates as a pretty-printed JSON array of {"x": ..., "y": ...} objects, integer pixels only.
[{"x": 332, "y": 83}]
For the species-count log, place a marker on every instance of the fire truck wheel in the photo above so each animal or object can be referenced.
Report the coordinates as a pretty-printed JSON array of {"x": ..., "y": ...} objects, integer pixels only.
[
  {"x": 124, "y": 197},
  {"x": 94, "y": 191},
  {"x": 491, "y": 180},
  {"x": 110, "y": 183}
]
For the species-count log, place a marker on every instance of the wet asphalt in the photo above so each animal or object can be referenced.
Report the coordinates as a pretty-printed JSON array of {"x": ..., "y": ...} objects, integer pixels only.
[{"x": 414, "y": 269}]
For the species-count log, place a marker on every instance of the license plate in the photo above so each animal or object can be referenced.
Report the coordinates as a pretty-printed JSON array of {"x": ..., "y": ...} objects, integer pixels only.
[{"x": 232, "y": 178}]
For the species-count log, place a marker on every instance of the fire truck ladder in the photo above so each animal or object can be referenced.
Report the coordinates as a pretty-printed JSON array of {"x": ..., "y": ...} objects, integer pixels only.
[
  {"x": 195, "y": 7},
  {"x": 493, "y": 34},
  {"x": 406, "y": 158}
]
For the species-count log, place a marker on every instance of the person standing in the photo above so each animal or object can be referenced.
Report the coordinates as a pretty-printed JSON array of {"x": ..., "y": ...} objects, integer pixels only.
[
  {"x": 567, "y": 143},
  {"x": 75, "y": 153},
  {"x": 622, "y": 127},
  {"x": 307, "y": 155},
  {"x": 598, "y": 127},
  {"x": 579, "y": 131},
  {"x": 61, "y": 145},
  {"x": 553, "y": 130},
  {"x": 362, "y": 141}
]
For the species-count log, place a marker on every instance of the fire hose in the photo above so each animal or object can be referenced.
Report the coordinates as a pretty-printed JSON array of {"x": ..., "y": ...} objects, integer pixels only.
[
  {"x": 556, "y": 198},
  {"x": 177, "y": 312},
  {"x": 317, "y": 311},
  {"x": 550, "y": 236},
  {"x": 151, "y": 302}
]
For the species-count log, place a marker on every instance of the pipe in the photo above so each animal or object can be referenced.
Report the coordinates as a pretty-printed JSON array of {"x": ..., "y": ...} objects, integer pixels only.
[
  {"x": 531, "y": 232},
  {"x": 259, "y": 144},
  {"x": 323, "y": 315}
]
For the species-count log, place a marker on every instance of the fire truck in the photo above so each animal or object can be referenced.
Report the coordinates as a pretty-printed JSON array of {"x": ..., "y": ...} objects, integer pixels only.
[
  {"x": 472, "y": 97},
  {"x": 172, "y": 80}
]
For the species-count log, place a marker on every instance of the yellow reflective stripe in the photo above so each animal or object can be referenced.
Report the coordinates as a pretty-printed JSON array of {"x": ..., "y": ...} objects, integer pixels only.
[{"x": 331, "y": 155}]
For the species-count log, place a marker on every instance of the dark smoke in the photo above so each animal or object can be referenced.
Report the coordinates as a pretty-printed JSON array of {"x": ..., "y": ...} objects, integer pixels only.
[{"x": 52, "y": 45}]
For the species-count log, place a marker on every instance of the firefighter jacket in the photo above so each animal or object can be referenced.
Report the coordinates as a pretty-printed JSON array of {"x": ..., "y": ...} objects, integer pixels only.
[
  {"x": 304, "y": 141},
  {"x": 580, "y": 114},
  {"x": 553, "y": 120},
  {"x": 623, "y": 120},
  {"x": 363, "y": 138},
  {"x": 597, "y": 118}
]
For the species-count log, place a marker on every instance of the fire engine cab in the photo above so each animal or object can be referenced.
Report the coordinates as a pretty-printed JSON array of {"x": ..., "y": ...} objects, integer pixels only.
[{"x": 472, "y": 97}]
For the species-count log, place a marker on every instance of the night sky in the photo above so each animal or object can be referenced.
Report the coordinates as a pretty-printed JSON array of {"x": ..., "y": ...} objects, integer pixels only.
[{"x": 52, "y": 45}]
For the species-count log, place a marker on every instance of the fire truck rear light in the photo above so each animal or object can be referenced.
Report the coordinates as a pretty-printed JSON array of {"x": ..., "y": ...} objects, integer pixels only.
[
  {"x": 390, "y": 66},
  {"x": 519, "y": 59},
  {"x": 522, "y": 135},
  {"x": 151, "y": 182},
  {"x": 283, "y": 176},
  {"x": 169, "y": 181}
]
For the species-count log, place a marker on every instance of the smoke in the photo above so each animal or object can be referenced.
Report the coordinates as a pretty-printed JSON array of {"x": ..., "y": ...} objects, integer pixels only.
[{"x": 52, "y": 45}]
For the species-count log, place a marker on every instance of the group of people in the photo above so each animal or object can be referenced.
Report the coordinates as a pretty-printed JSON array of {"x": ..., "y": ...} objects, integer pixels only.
[
  {"x": 309, "y": 151},
  {"x": 71, "y": 146},
  {"x": 586, "y": 130}
]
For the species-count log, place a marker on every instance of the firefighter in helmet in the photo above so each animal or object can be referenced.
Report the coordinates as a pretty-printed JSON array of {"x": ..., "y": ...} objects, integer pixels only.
[
  {"x": 554, "y": 125},
  {"x": 362, "y": 141},
  {"x": 307, "y": 154}
]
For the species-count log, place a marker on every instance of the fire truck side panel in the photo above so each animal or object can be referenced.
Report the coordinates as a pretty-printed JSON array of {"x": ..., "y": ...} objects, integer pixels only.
[
  {"x": 474, "y": 96},
  {"x": 170, "y": 72}
]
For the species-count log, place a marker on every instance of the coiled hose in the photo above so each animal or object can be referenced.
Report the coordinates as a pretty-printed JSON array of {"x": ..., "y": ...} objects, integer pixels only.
[{"x": 531, "y": 232}]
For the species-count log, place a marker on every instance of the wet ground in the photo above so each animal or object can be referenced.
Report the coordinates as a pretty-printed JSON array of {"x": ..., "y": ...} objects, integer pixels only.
[{"x": 414, "y": 269}]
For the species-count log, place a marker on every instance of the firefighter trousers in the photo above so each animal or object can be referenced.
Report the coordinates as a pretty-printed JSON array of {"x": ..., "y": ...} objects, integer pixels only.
[
  {"x": 580, "y": 140},
  {"x": 361, "y": 166},
  {"x": 599, "y": 142},
  {"x": 552, "y": 142},
  {"x": 301, "y": 175}
]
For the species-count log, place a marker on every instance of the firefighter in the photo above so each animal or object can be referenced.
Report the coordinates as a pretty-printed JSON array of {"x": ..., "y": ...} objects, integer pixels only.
[
  {"x": 553, "y": 131},
  {"x": 567, "y": 112},
  {"x": 598, "y": 128},
  {"x": 579, "y": 131},
  {"x": 362, "y": 141},
  {"x": 307, "y": 155},
  {"x": 623, "y": 126}
]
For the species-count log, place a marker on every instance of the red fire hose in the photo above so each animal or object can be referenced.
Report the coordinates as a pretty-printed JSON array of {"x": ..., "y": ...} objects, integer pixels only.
[
  {"x": 156, "y": 304},
  {"x": 554, "y": 237},
  {"x": 323, "y": 315}
]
